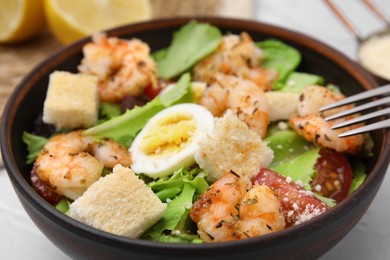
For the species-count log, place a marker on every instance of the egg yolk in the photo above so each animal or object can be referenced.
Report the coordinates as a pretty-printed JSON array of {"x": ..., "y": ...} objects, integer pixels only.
[{"x": 169, "y": 135}]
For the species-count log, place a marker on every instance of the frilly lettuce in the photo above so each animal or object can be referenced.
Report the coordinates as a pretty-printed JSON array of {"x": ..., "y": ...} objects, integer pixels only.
[
  {"x": 34, "y": 144},
  {"x": 108, "y": 111},
  {"x": 183, "y": 187}
]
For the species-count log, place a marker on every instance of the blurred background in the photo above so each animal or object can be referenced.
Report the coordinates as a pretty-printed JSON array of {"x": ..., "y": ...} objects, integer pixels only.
[{"x": 29, "y": 35}]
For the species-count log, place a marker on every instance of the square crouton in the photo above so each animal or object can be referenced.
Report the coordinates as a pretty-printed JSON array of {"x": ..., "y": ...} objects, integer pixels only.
[
  {"x": 119, "y": 203},
  {"x": 71, "y": 100}
]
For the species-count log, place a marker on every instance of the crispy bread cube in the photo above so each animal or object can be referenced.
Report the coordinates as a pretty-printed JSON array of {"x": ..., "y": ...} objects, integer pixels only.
[
  {"x": 232, "y": 146},
  {"x": 119, "y": 203},
  {"x": 71, "y": 101}
]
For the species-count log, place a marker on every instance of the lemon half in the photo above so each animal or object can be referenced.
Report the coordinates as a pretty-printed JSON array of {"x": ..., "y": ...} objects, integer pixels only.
[
  {"x": 70, "y": 20},
  {"x": 20, "y": 19}
]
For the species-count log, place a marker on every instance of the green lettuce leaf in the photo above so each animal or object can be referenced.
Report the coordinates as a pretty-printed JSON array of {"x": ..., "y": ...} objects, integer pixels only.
[
  {"x": 160, "y": 54},
  {"x": 63, "y": 205},
  {"x": 359, "y": 175},
  {"x": 286, "y": 145},
  {"x": 34, "y": 144},
  {"x": 175, "y": 215},
  {"x": 166, "y": 187},
  {"x": 191, "y": 43},
  {"x": 281, "y": 57},
  {"x": 125, "y": 127},
  {"x": 334, "y": 88},
  {"x": 177, "y": 209},
  {"x": 300, "y": 168},
  {"x": 180, "y": 238},
  {"x": 296, "y": 81},
  {"x": 175, "y": 224},
  {"x": 293, "y": 156},
  {"x": 108, "y": 111},
  {"x": 328, "y": 201}
]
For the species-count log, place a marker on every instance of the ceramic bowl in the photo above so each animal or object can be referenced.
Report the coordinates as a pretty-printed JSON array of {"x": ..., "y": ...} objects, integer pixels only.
[{"x": 308, "y": 240}]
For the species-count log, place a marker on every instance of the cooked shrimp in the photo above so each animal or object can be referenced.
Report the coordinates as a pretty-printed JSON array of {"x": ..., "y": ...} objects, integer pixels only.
[
  {"x": 236, "y": 55},
  {"x": 123, "y": 67},
  {"x": 228, "y": 212},
  {"x": 314, "y": 97},
  {"x": 318, "y": 131},
  {"x": 260, "y": 212},
  {"x": 242, "y": 97},
  {"x": 311, "y": 124},
  {"x": 216, "y": 211},
  {"x": 71, "y": 162}
]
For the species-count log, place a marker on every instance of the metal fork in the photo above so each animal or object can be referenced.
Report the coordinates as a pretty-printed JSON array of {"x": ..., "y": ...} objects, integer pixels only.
[{"x": 377, "y": 92}]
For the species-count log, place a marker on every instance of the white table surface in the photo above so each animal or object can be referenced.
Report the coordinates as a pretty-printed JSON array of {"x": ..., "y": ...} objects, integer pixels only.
[{"x": 370, "y": 239}]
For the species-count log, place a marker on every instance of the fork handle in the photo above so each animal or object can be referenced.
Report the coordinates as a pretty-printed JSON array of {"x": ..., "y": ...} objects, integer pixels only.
[
  {"x": 370, "y": 4},
  {"x": 344, "y": 20}
]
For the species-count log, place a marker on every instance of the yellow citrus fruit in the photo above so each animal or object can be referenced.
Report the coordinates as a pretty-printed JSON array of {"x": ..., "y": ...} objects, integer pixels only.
[
  {"x": 20, "y": 19},
  {"x": 70, "y": 20}
]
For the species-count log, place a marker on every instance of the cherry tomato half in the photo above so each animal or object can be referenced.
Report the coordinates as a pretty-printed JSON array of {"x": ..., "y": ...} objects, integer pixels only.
[
  {"x": 296, "y": 204},
  {"x": 334, "y": 175},
  {"x": 152, "y": 91}
]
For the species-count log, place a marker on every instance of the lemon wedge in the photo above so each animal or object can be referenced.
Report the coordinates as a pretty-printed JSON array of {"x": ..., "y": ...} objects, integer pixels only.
[
  {"x": 73, "y": 19},
  {"x": 20, "y": 19}
]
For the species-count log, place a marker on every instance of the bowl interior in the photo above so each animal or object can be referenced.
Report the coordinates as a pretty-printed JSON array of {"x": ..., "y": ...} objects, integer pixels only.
[{"x": 26, "y": 103}]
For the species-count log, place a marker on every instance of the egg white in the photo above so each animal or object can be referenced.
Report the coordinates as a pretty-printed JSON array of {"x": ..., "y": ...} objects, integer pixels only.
[{"x": 160, "y": 166}]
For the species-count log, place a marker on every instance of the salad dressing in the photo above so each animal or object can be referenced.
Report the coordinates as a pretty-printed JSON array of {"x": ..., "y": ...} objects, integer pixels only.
[{"x": 374, "y": 54}]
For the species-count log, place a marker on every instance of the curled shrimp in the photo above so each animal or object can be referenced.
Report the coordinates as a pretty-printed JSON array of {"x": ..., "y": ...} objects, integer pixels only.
[
  {"x": 236, "y": 55},
  {"x": 123, "y": 67},
  {"x": 227, "y": 211},
  {"x": 314, "y": 97},
  {"x": 242, "y": 97},
  {"x": 311, "y": 124},
  {"x": 260, "y": 212},
  {"x": 69, "y": 163}
]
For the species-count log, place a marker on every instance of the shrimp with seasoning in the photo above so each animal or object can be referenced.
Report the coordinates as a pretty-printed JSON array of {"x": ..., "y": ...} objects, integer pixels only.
[
  {"x": 240, "y": 96},
  {"x": 227, "y": 211},
  {"x": 312, "y": 126},
  {"x": 123, "y": 67},
  {"x": 239, "y": 56},
  {"x": 70, "y": 162}
]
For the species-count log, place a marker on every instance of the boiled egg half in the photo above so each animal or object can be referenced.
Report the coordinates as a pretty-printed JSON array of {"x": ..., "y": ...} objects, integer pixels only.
[{"x": 170, "y": 139}]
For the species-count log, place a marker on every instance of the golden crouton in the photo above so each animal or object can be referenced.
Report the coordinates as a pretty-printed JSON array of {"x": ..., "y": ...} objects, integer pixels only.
[
  {"x": 119, "y": 203},
  {"x": 71, "y": 101},
  {"x": 232, "y": 146}
]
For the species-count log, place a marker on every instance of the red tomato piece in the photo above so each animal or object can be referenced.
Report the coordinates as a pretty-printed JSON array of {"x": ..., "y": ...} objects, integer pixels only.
[
  {"x": 334, "y": 175},
  {"x": 297, "y": 204},
  {"x": 152, "y": 91}
]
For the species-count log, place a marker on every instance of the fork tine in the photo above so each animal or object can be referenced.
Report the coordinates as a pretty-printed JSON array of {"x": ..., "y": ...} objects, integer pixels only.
[
  {"x": 359, "y": 119},
  {"x": 361, "y": 96},
  {"x": 357, "y": 109},
  {"x": 367, "y": 128}
]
